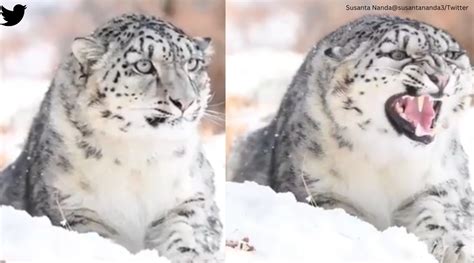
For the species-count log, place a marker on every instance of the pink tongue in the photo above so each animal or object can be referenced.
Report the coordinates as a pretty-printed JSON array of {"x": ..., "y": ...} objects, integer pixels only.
[{"x": 424, "y": 117}]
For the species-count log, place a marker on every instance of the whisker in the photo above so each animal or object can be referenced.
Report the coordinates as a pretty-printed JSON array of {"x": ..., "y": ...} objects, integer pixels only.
[
  {"x": 214, "y": 112},
  {"x": 219, "y": 123},
  {"x": 216, "y": 104},
  {"x": 211, "y": 96},
  {"x": 213, "y": 117}
]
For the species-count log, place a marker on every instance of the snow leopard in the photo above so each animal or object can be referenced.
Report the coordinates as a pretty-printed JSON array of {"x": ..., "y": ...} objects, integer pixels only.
[
  {"x": 115, "y": 147},
  {"x": 370, "y": 124}
]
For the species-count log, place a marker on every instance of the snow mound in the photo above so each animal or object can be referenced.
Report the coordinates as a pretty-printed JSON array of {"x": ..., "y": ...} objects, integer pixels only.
[
  {"x": 283, "y": 230},
  {"x": 26, "y": 238}
]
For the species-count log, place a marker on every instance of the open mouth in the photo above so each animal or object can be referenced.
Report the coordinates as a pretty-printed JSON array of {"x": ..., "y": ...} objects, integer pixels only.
[{"x": 414, "y": 116}]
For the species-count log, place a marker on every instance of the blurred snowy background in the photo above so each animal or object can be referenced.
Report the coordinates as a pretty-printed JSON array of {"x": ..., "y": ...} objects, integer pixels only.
[{"x": 266, "y": 42}]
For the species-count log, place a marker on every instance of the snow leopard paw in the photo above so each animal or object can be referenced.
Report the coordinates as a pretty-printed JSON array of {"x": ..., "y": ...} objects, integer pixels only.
[{"x": 453, "y": 251}]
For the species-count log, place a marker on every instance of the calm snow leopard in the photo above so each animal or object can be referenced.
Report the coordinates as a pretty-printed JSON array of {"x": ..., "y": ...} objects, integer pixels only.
[
  {"x": 115, "y": 148},
  {"x": 370, "y": 124}
]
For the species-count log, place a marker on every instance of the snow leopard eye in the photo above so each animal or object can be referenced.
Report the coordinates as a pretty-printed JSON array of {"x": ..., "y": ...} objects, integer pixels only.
[
  {"x": 453, "y": 54},
  {"x": 193, "y": 64},
  {"x": 398, "y": 55},
  {"x": 144, "y": 66}
]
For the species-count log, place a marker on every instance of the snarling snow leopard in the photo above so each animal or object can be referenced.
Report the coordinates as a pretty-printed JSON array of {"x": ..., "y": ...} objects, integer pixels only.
[
  {"x": 115, "y": 148},
  {"x": 370, "y": 124}
]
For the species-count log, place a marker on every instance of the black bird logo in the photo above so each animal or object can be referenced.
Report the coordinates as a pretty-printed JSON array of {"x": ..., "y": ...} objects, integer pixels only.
[{"x": 12, "y": 17}]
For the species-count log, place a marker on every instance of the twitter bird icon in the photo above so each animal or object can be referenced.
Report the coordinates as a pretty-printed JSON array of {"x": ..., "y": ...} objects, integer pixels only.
[{"x": 12, "y": 17}]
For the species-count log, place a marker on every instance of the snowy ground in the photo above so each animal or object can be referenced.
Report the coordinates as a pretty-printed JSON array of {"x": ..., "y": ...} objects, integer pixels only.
[
  {"x": 23, "y": 238},
  {"x": 283, "y": 230}
]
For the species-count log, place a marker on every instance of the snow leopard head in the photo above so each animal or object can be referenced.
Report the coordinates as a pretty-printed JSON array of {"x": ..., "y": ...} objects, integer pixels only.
[
  {"x": 391, "y": 76},
  {"x": 143, "y": 74}
]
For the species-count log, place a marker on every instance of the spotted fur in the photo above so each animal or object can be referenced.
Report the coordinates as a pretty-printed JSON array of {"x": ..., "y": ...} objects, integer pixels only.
[
  {"x": 331, "y": 142},
  {"x": 115, "y": 148}
]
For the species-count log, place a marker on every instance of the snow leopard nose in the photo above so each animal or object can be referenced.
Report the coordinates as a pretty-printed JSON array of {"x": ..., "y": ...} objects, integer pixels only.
[
  {"x": 181, "y": 104},
  {"x": 440, "y": 80}
]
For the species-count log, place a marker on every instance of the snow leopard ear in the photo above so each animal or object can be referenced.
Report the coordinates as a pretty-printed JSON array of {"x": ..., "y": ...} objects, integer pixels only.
[
  {"x": 204, "y": 44},
  {"x": 334, "y": 53},
  {"x": 350, "y": 49},
  {"x": 87, "y": 50}
]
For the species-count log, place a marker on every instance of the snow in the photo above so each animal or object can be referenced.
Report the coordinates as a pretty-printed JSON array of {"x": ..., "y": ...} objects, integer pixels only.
[
  {"x": 284, "y": 230},
  {"x": 24, "y": 238}
]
